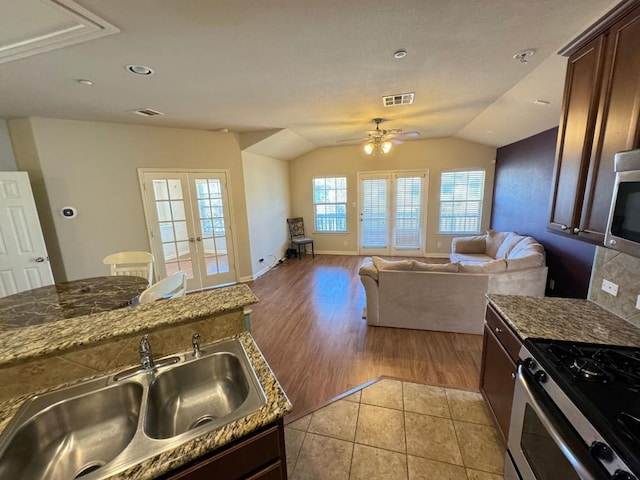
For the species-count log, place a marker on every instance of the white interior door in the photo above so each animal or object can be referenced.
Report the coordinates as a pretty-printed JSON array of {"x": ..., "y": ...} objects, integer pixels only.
[
  {"x": 392, "y": 220},
  {"x": 189, "y": 223},
  {"x": 23, "y": 253}
]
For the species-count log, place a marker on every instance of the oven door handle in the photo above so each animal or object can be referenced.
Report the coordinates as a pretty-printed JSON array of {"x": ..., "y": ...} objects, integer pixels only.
[{"x": 567, "y": 440}]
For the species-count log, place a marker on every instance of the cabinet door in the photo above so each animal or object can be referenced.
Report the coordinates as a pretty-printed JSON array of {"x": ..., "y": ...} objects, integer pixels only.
[
  {"x": 617, "y": 125},
  {"x": 497, "y": 380},
  {"x": 577, "y": 123}
]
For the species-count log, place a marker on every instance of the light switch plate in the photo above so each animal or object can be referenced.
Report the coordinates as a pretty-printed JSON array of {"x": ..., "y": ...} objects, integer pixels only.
[
  {"x": 638, "y": 303},
  {"x": 610, "y": 287}
]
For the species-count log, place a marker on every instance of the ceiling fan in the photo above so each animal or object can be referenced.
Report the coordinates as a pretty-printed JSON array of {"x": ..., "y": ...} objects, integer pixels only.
[{"x": 381, "y": 140}]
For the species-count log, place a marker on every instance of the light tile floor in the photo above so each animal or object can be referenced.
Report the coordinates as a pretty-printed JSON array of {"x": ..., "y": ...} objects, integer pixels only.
[{"x": 394, "y": 430}]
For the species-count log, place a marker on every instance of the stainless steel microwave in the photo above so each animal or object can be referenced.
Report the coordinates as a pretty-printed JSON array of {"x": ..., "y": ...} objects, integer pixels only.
[{"x": 623, "y": 227}]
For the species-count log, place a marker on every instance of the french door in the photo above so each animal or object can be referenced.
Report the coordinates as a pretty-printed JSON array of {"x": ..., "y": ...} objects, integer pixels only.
[
  {"x": 189, "y": 225},
  {"x": 391, "y": 206}
]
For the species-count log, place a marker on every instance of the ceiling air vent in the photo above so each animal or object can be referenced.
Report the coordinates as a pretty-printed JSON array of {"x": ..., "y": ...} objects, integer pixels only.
[
  {"x": 146, "y": 112},
  {"x": 399, "y": 99}
]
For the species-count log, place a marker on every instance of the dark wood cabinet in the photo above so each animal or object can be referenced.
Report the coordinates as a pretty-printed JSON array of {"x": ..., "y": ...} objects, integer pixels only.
[
  {"x": 260, "y": 456},
  {"x": 600, "y": 117},
  {"x": 498, "y": 372}
]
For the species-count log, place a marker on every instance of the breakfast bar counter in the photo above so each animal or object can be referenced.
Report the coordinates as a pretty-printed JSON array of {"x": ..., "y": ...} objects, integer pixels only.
[{"x": 556, "y": 318}]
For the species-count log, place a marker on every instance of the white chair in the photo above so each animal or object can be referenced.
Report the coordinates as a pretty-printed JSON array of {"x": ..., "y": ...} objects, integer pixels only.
[
  {"x": 170, "y": 287},
  {"x": 136, "y": 264}
]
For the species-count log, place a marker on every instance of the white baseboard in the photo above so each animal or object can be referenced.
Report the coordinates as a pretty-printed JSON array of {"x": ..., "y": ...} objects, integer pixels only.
[{"x": 335, "y": 252}]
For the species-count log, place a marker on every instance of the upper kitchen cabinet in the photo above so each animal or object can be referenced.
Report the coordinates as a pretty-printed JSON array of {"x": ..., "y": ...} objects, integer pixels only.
[{"x": 600, "y": 117}]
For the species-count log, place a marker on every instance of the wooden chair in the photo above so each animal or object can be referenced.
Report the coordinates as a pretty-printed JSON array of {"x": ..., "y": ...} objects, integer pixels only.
[
  {"x": 296, "y": 233},
  {"x": 137, "y": 264},
  {"x": 173, "y": 286}
]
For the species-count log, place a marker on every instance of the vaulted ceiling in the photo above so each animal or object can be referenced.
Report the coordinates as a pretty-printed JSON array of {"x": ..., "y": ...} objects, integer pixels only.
[{"x": 317, "y": 69}]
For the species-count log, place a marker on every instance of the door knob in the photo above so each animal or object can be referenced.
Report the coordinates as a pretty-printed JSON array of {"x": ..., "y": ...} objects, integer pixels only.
[
  {"x": 199, "y": 239},
  {"x": 192, "y": 240},
  {"x": 576, "y": 230},
  {"x": 40, "y": 259},
  {"x": 563, "y": 227}
]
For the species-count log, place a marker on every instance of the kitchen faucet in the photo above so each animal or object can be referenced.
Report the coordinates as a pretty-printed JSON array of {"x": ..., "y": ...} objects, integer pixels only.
[{"x": 146, "y": 359}]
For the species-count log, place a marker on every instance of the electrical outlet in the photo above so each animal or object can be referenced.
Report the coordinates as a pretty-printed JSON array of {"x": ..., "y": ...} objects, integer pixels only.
[
  {"x": 552, "y": 284},
  {"x": 638, "y": 303},
  {"x": 610, "y": 287}
]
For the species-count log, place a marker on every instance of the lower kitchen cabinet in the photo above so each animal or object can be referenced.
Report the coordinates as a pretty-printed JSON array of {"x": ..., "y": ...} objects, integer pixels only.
[
  {"x": 260, "y": 456},
  {"x": 498, "y": 372}
]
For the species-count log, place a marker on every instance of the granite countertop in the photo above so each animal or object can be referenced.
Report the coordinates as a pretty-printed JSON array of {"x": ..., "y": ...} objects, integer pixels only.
[
  {"x": 69, "y": 299},
  {"x": 24, "y": 343},
  {"x": 277, "y": 406},
  {"x": 564, "y": 319}
]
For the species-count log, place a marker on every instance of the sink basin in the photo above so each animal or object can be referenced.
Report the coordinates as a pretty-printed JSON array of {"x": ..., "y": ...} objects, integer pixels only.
[
  {"x": 95, "y": 429},
  {"x": 74, "y": 436},
  {"x": 209, "y": 390}
]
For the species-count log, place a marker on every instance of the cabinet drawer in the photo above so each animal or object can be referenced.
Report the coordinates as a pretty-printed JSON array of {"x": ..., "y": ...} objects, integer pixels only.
[
  {"x": 503, "y": 333},
  {"x": 239, "y": 460},
  {"x": 272, "y": 472}
]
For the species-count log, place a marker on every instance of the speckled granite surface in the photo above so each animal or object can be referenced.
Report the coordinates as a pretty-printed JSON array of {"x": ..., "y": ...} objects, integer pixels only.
[
  {"x": 20, "y": 344},
  {"x": 69, "y": 299},
  {"x": 277, "y": 406},
  {"x": 564, "y": 319}
]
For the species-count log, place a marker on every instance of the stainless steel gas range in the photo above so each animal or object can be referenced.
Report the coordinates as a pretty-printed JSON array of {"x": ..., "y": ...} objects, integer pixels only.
[{"x": 576, "y": 413}]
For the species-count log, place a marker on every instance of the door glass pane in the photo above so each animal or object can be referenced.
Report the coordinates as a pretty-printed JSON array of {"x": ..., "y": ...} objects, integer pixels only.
[
  {"x": 164, "y": 211},
  {"x": 374, "y": 213},
  {"x": 166, "y": 232},
  {"x": 408, "y": 214},
  {"x": 543, "y": 454},
  {"x": 181, "y": 231},
  {"x": 175, "y": 189},
  {"x": 177, "y": 209},
  {"x": 160, "y": 190},
  {"x": 223, "y": 263}
]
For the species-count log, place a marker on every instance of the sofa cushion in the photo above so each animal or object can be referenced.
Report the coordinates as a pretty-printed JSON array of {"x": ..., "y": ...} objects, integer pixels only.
[
  {"x": 470, "y": 258},
  {"x": 510, "y": 241},
  {"x": 495, "y": 266},
  {"x": 367, "y": 268},
  {"x": 526, "y": 247},
  {"x": 435, "y": 267},
  {"x": 521, "y": 263},
  {"x": 382, "y": 264},
  {"x": 468, "y": 244},
  {"x": 494, "y": 241}
]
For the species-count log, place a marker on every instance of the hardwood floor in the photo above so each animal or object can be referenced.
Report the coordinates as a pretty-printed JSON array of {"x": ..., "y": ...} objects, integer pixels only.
[{"x": 309, "y": 326}]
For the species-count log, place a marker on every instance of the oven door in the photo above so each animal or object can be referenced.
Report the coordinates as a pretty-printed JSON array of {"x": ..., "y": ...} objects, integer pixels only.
[{"x": 542, "y": 443}]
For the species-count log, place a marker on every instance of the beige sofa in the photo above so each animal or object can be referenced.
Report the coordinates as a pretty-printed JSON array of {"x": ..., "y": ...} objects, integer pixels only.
[{"x": 451, "y": 297}]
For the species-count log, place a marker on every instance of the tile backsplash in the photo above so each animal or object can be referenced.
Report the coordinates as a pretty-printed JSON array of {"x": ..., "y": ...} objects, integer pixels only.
[{"x": 624, "y": 271}]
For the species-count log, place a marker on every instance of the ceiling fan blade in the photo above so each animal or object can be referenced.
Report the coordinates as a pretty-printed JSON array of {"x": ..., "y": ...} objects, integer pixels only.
[
  {"x": 353, "y": 140},
  {"x": 408, "y": 134}
]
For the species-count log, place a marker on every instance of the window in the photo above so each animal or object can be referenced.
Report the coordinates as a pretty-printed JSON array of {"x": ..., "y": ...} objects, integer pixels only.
[
  {"x": 461, "y": 195},
  {"x": 330, "y": 204}
]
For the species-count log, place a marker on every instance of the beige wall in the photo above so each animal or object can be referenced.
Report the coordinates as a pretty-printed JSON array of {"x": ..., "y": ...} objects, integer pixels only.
[
  {"x": 92, "y": 166},
  {"x": 266, "y": 182},
  {"x": 7, "y": 161},
  {"x": 434, "y": 155}
]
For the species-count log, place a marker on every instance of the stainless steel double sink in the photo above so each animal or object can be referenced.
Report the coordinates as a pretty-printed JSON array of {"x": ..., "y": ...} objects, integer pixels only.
[{"x": 103, "y": 426}]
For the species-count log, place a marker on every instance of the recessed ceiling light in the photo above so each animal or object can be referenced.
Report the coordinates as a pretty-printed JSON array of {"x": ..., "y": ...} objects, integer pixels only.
[
  {"x": 400, "y": 54},
  {"x": 84, "y": 81},
  {"x": 544, "y": 103},
  {"x": 139, "y": 69}
]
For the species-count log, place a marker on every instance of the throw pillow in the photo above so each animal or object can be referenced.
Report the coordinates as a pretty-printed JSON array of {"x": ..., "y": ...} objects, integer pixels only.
[
  {"x": 497, "y": 266},
  {"x": 382, "y": 264},
  {"x": 494, "y": 240},
  {"x": 468, "y": 244},
  {"x": 435, "y": 267}
]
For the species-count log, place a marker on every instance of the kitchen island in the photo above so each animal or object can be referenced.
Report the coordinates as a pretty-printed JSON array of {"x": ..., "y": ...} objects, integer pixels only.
[{"x": 44, "y": 357}]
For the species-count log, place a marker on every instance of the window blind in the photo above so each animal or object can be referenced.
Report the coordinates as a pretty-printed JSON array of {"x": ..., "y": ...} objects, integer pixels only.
[
  {"x": 461, "y": 197},
  {"x": 408, "y": 212},
  {"x": 374, "y": 213}
]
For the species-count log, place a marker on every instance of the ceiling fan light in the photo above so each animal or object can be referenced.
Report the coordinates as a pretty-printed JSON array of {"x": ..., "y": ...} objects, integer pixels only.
[
  {"x": 368, "y": 148},
  {"x": 386, "y": 146}
]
